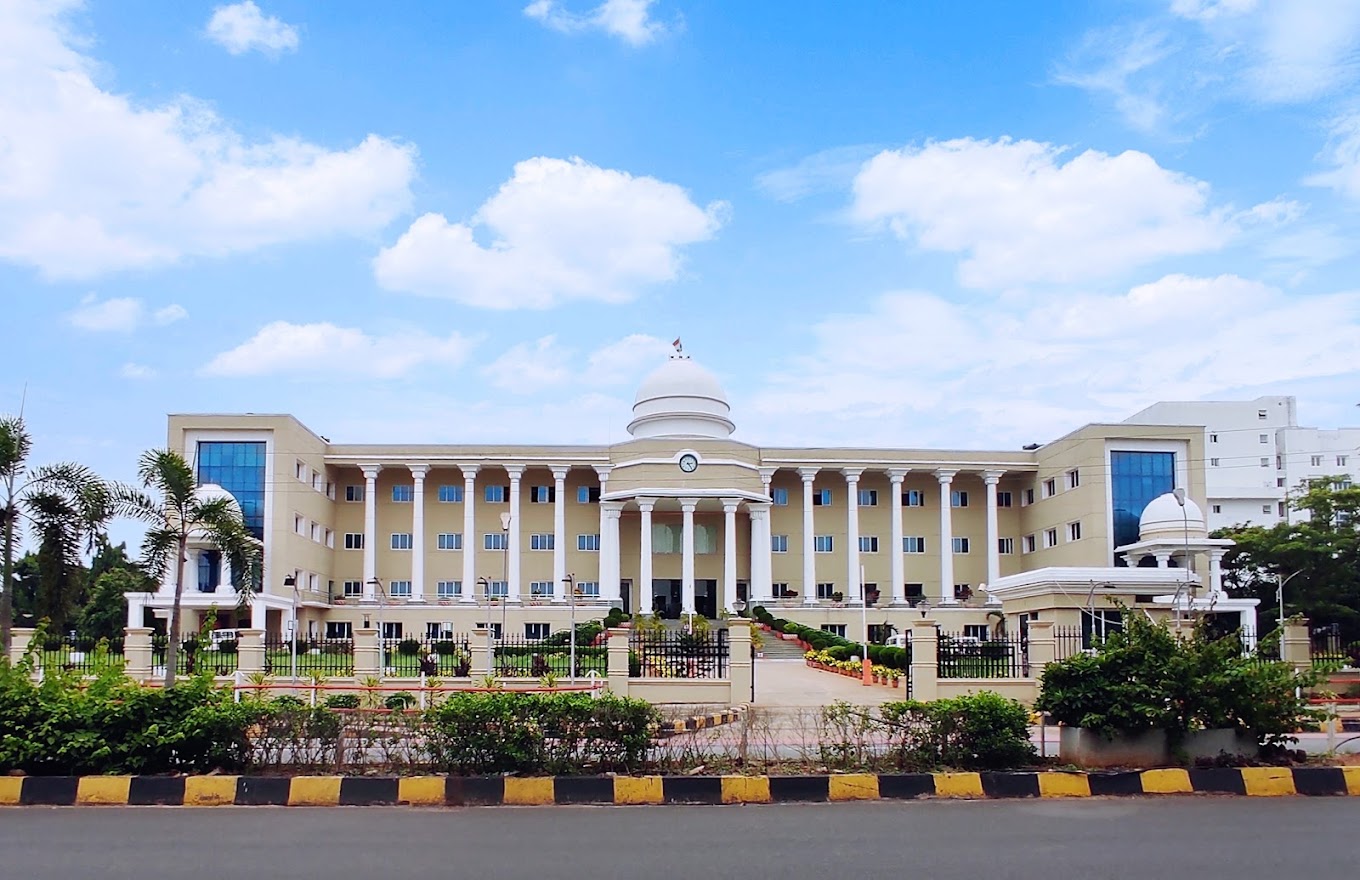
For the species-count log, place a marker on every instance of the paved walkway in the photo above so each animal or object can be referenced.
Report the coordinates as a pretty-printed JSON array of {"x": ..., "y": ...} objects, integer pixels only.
[{"x": 793, "y": 683}]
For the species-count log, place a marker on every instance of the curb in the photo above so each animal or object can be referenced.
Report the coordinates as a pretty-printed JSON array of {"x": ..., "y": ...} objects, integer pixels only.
[
  {"x": 457, "y": 791},
  {"x": 698, "y": 722}
]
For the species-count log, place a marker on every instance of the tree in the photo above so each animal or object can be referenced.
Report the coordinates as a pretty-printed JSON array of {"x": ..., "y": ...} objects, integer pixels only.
[
  {"x": 105, "y": 614},
  {"x": 33, "y": 493},
  {"x": 173, "y": 509}
]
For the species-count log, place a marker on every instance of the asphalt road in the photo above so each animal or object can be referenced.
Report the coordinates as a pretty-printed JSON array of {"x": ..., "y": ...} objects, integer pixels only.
[{"x": 1204, "y": 837}]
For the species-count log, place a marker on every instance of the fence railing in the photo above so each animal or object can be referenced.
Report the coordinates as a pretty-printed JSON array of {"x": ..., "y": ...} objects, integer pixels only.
[
  {"x": 81, "y": 654},
  {"x": 518, "y": 657},
  {"x": 445, "y": 656},
  {"x": 1328, "y": 647},
  {"x": 1067, "y": 641},
  {"x": 328, "y": 657},
  {"x": 678, "y": 654},
  {"x": 960, "y": 656}
]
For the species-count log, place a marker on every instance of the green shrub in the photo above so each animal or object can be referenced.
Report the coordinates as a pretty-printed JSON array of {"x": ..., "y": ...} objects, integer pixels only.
[
  {"x": 978, "y": 732},
  {"x": 408, "y": 647},
  {"x": 230, "y": 646},
  {"x": 839, "y": 653},
  {"x": 286, "y": 701},
  {"x": 399, "y": 701},
  {"x": 446, "y": 648},
  {"x": 342, "y": 701}
]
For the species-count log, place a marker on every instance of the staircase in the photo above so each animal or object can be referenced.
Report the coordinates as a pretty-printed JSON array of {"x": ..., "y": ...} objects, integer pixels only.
[{"x": 778, "y": 649}]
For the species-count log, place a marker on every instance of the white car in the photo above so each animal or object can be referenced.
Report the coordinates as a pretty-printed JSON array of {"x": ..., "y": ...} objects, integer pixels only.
[
  {"x": 218, "y": 636},
  {"x": 901, "y": 640}
]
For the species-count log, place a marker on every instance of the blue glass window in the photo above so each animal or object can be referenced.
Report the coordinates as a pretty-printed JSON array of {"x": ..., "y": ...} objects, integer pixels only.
[
  {"x": 451, "y": 494},
  {"x": 237, "y": 467},
  {"x": 1135, "y": 479},
  {"x": 209, "y": 571}
]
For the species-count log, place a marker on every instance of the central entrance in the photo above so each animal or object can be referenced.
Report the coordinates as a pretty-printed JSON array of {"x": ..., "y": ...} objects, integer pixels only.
[{"x": 667, "y": 597}]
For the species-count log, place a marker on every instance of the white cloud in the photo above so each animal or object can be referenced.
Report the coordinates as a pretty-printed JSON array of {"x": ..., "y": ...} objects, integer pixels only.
[
  {"x": 136, "y": 371},
  {"x": 626, "y": 361},
  {"x": 93, "y": 182},
  {"x": 241, "y": 27},
  {"x": 121, "y": 314},
  {"x": 1032, "y": 372},
  {"x": 1018, "y": 214},
  {"x": 1343, "y": 157},
  {"x": 1116, "y": 62},
  {"x": 629, "y": 20},
  {"x": 559, "y": 230},
  {"x": 530, "y": 367},
  {"x": 827, "y": 171},
  {"x": 324, "y": 349}
]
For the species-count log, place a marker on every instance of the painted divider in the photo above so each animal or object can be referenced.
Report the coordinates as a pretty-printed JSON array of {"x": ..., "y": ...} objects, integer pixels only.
[
  {"x": 103, "y": 791},
  {"x": 1115, "y": 784},
  {"x": 906, "y": 786},
  {"x": 156, "y": 791},
  {"x": 49, "y": 791},
  {"x": 1009, "y": 785},
  {"x": 210, "y": 791},
  {"x": 372, "y": 791},
  {"x": 630, "y": 790},
  {"x": 583, "y": 790}
]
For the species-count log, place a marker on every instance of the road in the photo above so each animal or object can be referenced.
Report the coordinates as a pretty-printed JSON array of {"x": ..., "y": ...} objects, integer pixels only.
[{"x": 1207, "y": 837}]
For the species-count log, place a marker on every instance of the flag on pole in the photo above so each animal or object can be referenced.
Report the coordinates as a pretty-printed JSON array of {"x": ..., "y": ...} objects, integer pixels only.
[{"x": 679, "y": 349}]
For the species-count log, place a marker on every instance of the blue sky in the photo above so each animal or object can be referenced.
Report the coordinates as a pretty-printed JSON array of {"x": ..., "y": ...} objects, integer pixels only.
[{"x": 880, "y": 223}]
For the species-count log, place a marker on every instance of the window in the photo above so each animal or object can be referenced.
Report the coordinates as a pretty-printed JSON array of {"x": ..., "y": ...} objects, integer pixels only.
[
  {"x": 330, "y": 490},
  {"x": 914, "y": 498},
  {"x": 1213, "y": 462},
  {"x": 402, "y": 494},
  {"x": 542, "y": 494},
  {"x": 316, "y": 481},
  {"x": 1279, "y": 462},
  {"x": 779, "y": 543},
  {"x": 1264, "y": 438},
  {"x": 353, "y": 588},
  {"x": 354, "y": 493},
  {"x": 448, "y": 589},
  {"x": 975, "y": 631},
  {"x": 1074, "y": 531},
  {"x": 496, "y": 494},
  {"x": 401, "y": 540},
  {"x": 330, "y": 539},
  {"x": 1073, "y": 479},
  {"x": 399, "y": 588},
  {"x": 868, "y": 497},
  {"x": 588, "y": 588},
  {"x": 821, "y": 498},
  {"x": 354, "y": 540},
  {"x": 963, "y": 591},
  {"x": 868, "y": 543},
  {"x": 1260, "y": 414},
  {"x": 240, "y": 469},
  {"x": 436, "y": 631},
  {"x": 1265, "y": 508},
  {"x": 1135, "y": 479},
  {"x": 339, "y": 629},
  {"x": 451, "y": 494},
  {"x": 1050, "y": 538},
  {"x": 299, "y": 525},
  {"x": 316, "y": 532},
  {"x": 588, "y": 495},
  {"x": 1099, "y": 624},
  {"x": 1050, "y": 488},
  {"x": 824, "y": 591},
  {"x": 1316, "y": 461},
  {"x": 540, "y": 588},
  {"x": 300, "y": 470},
  {"x": 780, "y": 497},
  {"x": 836, "y": 629},
  {"x": 823, "y": 544},
  {"x": 915, "y": 592},
  {"x": 450, "y": 541},
  {"x": 1005, "y": 546},
  {"x": 391, "y": 631},
  {"x": 1265, "y": 462},
  {"x": 495, "y": 541},
  {"x": 960, "y": 545},
  {"x": 588, "y": 543},
  {"x": 1030, "y": 544},
  {"x": 1003, "y": 499},
  {"x": 913, "y": 544},
  {"x": 1279, "y": 511},
  {"x": 537, "y": 630},
  {"x": 958, "y": 498},
  {"x": 1213, "y": 438},
  {"x": 1279, "y": 482},
  {"x": 1029, "y": 497},
  {"x": 1341, "y": 461},
  {"x": 543, "y": 541},
  {"x": 497, "y": 588},
  {"x": 1218, "y": 508}
]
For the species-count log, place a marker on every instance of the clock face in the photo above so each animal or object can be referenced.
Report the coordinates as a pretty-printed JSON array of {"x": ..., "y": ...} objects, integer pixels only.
[{"x": 688, "y": 463}]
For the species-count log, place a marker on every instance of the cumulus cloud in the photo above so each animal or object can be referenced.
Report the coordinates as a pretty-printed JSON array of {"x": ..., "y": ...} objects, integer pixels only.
[
  {"x": 283, "y": 348},
  {"x": 121, "y": 314},
  {"x": 626, "y": 361},
  {"x": 93, "y": 182},
  {"x": 530, "y": 367},
  {"x": 1019, "y": 214},
  {"x": 629, "y": 20},
  {"x": 558, "y": 230},
  {"x": 242, "y": 27}
]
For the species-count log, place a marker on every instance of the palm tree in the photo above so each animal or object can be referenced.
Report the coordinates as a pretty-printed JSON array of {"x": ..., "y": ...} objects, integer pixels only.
[
  {"x": 68, "y": 501},
  {"x": 174, "y": 512}
]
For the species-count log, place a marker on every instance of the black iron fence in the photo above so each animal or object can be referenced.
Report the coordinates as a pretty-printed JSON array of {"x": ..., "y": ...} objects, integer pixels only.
[
  {"x": 678, "y": 654},
  {"x": 961, "y": 656},
  {"x": 1328, "y": 647},
  {"x": 1069, "y": 640},
  {"x": 447, "y": 656},
  {"x": 327, "y": 657},
  {"x": 87, "y": 656},
  {"x": 518, "y": 657}
]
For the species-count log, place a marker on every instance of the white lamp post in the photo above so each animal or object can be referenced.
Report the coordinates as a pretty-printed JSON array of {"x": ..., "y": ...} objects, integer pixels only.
[
  {"x": 490, "y": 651},
  {"x": 291, "y": 581},
  {"x": 378, "y": 592},
  {"x": 570, "y": 581}
]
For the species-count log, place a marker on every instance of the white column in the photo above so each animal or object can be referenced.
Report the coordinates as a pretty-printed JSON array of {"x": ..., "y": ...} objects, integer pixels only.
[
  {"x": 224, "y": 573},
  {"x": 809, "y": 546},
  {"x": 761, "y": 569},
  {"x": 470, "y": 541},
  {"x": 899, "y": 585},
  {"x": 559, "y": 533},
  {"x": 687, "y": 506},
  {"x": 602, "y": 471},
  {"x": 853, "y": 593},
  {"x": 1216, "y": 572},
  {"x": 418, "y": 472},
  {"x": 644, "y": 603},
  {"x": 516, "y": 471},
  {"x": 609, "y": 551},
  {"x": 991, "y": 478},
  {"x": 729, "y": 581},
  {"x": 370, "y": 529},
  {"x": 946, "y": 478}
]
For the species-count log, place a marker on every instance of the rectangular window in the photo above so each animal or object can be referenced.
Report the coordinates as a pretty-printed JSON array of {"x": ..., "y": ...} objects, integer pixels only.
[
  {"x": 821, "y": 498},
  {"x": 330, "y": 539},
  {"x": 780, "y": 590},
  {"x": 1135, "y": 479},
  {"x": 914, "y": 498},
  {"x": 823, "y": 544},
  {"x": 589, "y": 589},
  {"x": 1316, "y": 461},
  {"x": 542, "y": 494},
  {"x": 780, "y": 497},
  {"x": 1265, "y": 462},
  {"x": 1341, "y": 461},
  {"x": 913, "y": 544},
  {"x": 868, "y": 497},
  {"x": 391, "y": 631},
  {"x": 299, "y": 525},
  {"x": 1213, "y": 462},
  {"x": 958, "y": 498},
  {"x": 1005, "y": 546},
  {"x": 402, "y": 494},
  {"x": 868, "y": 543},
  {"x": 963, "y": 591},
  {"x": 779, "y": 543},
  {"x": 537, "y": 630},
  {"x": 240, "y": 469},
  {"x": 436, "y": 631},
  {"x": 316, "y": 481},
  {"x": 1074, "y": 531},
  {"x": 1260, "y": 414},
  {"x": 1265, "y": 508},
  {"x": 1030, "y": 544},
  {"x": 1279, "y": 508},
  {"x": 330, "y": 491},
  {"x": 399, "y": 589},
  {"x": 354, "y": 540},
  {"x": 1218, "y": 508},
  {"x": 542, "y": 541},
  {"x": 1279, "y": 482},
  {"x": 975, "y": 631},
  {"x": 1213, "y": 438},
  {"x": 1050, "y": 538},
  {"x": 1073, "y": 479},
  {"x": 540, "y": 588},
  {"x": 300, "y": 471},
  {"x": 1264, "y": 438},
  {"x": 496, "y": 589},
  {"x": 451, "y": 494},
  {"x": 448, "y": 589},
  {"x": 1029, "y": 497},
  {"x": 588, "y": 543},
  {"x": 401, "y": 540},
  {"x": 353, "y": 588},
  {"x": 339, "y": 629},
  {"x": 496, "y": 494},
  {"x": 588, "y": 495},
  {"x": 316, "y": 532},
  {"x": 354, "y": 493},
  {"x": 450, "y": 541},
  {"x": 915, "y": 592},
  {"x": 1003, "y": 499},
  {"x": 495, "y": 541},
  {"x": 836, "y": 629},
  {"x": 1050, "y": 488},
  {"x": 825, "y": 590},
  {"x": 960, "y": 545}
]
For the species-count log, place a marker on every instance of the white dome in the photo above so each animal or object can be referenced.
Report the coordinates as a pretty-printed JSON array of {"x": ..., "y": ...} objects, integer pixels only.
[
  {"x": 681, "y": 399},
  {"x": 1165, "y": 516},
  {"x": 211, "y": 492}
]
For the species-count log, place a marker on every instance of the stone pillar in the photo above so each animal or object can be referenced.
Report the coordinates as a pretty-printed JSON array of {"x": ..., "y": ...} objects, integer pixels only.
[
  {"x": 418, "y": 472},
  {"x": 515, "y": 471},
  {"x": 136, "y": 609},
  {"x": 729, "y": 581},
  {"x": 370, "y": 529},
  {"x": 1216, "y": 572},
  {"x": 687, "y": 506},
  {"x": 644, "y": 604},
  {"x": 740, "y": 661},
  {"x": 367, "y": 654},
  {"x": 137, "y": 657},
  {"x": 898, "y": 573},
  {"x": 617, "y": 669},
  {"x": 250, "y": 652},
  {"x": 610, "y": 566},
  {"x": 559, "y": 533},
  {"x": 223, "y": 574},
  {"x": 946, "y": 478},
  {"x": 809, "y": 474},
  {"x": 1296, "y": 647},
  {"x": 479, "y": 652},
  {"x": 854, "y": 591},
  {"x": 925, "y": 671},
  {"x": 19, "y": 638},
  {"x": 259, "y": 615},
  {"x": 990, "y": 479},
  {"x": 1163, "y": 559},
  {"x": 602, "y": 471},
  {"x": 470, "y": 539},
  {"x": 1043, "y": 648},
  {"x": 761, "y": 569}
]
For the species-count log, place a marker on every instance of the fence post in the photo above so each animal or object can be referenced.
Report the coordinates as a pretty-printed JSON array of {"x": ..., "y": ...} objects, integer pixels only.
[
  {"x": 925, "y": 654},
  {"x": 137, "y": 652},
  {"x": 479, "y": 652},
  {"x": 740, "y": 663},
  {"x": 18, "y": 644},
  {"x": 250, "y": 651},
  {"x": 617, "y": 670},
  {"x": 1296, "y": 646},
  {"x": 1043, "y": 648},
  {"x": 367, "y": 654}
]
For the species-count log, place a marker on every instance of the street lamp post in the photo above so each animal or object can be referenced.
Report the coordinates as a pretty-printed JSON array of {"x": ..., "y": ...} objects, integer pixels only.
[
  {"x": 506, "y": 520},
  {"x": 866, "y": 668},
  {"x": 291, "y": 581},
  {"x": 570, "y": 581},
  {"x": 1280, "y": 581},
  {"x": 490, "y": 651},
  {"x": 1179, "y": 493},
  {"x": 378, "y": 592}
]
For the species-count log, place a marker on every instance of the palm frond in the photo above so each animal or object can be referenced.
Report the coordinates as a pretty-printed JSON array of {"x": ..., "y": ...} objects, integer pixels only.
[
  {"x": 15, "y": 446},
  {"x": 165, "y": 472}
]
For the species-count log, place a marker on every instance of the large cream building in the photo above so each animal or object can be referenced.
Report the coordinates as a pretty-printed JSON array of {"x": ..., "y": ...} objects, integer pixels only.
[{"x": 680, "y": 518}]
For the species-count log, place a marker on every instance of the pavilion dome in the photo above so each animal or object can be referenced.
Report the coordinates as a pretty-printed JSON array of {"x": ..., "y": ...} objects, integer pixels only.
[
  {"x": 681, "y": 399},
  {"x": 212, "y": 492},
  {"x": 1165, "y": 517}
]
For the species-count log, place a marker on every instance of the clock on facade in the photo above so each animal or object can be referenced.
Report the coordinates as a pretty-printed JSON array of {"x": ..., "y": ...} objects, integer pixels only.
[{"x": 689, "y": 463}]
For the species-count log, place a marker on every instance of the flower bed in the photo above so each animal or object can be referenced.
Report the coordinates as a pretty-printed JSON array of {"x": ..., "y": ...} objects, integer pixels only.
[{"x": 824, "y": 661}]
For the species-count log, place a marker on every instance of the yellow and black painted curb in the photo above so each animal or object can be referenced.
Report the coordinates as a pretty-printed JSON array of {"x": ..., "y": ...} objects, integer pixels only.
[
  {"x": 698, "y": 722},
  {"x": 454, "y": 791}
]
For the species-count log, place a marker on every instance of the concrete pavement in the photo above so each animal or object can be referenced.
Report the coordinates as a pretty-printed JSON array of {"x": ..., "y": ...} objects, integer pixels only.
[{"x": 792, "y": 683}]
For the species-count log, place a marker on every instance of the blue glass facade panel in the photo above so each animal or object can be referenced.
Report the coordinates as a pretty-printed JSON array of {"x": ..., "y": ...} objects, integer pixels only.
[
  {"x": 1135, "y": 479},
  {"x": 237, "y": 467}
]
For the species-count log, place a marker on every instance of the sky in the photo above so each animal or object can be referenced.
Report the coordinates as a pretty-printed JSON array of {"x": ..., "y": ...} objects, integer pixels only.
[{"x": 925, "y": 224}]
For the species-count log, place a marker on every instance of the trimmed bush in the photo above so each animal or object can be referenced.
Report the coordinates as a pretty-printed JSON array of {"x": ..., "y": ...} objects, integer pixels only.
[
  {"x": 342, "y": 701},
  {"x": 408, "y": 647}
]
